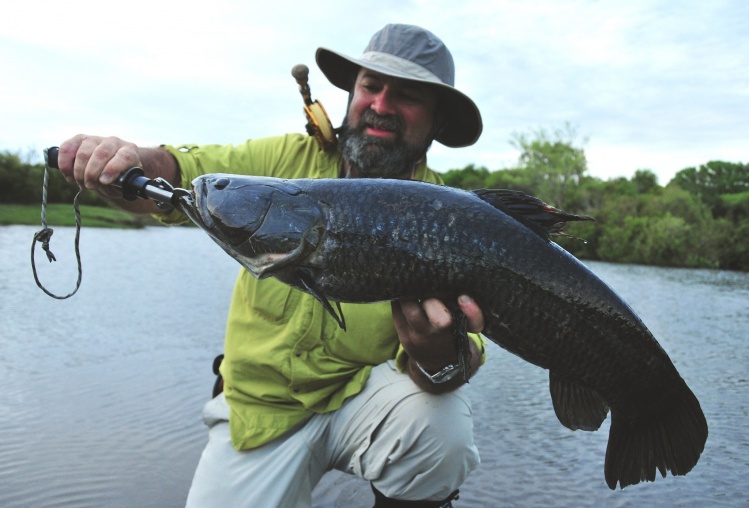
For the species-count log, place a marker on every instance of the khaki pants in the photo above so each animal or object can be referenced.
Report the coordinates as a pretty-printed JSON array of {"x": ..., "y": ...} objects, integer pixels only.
[{"x": 411, "y": 445}]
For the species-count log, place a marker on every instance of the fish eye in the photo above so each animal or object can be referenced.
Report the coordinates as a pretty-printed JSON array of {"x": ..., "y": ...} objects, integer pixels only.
[{"x": 221, "y": 183}]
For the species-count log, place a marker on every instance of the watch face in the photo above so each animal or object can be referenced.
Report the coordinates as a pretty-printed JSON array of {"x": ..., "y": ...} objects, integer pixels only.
[{"x": 446, "y": 374}]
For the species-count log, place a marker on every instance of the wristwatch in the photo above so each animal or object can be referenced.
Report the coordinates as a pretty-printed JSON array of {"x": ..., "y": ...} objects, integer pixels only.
[{"x": 444, "y": 375}]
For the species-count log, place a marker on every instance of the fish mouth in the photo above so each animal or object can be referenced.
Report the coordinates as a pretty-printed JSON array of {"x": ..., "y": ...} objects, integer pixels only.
[
  {"x": 200, "y": 190},
  {"x": 192, "y": 205},
  {"x": 258, "y": 264}
]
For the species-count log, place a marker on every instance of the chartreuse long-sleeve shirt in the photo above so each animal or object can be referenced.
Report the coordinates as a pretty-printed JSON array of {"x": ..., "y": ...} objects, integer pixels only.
[{"x": 285, "y": 356}]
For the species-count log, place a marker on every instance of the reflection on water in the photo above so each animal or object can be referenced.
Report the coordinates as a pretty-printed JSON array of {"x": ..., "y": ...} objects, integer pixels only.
[{"x": 101, "y": 394}]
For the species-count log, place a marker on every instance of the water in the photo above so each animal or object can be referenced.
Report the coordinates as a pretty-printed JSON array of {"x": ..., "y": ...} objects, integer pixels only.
[{"x": 101, "y": 394}]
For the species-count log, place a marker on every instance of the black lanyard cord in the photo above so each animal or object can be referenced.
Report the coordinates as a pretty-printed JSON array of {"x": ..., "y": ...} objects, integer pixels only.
[{"x": 45, "y": 235}]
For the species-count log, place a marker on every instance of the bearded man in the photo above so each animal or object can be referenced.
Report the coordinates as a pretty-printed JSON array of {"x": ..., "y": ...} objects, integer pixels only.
[{"x": 384, "y": 400}]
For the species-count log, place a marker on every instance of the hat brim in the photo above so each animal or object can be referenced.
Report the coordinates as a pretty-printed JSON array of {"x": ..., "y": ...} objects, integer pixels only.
[{"x": 463, "y": 119}]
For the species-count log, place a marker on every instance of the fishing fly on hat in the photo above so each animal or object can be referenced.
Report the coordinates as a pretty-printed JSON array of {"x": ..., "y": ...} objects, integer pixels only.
[{"x": 412, "y": 53}]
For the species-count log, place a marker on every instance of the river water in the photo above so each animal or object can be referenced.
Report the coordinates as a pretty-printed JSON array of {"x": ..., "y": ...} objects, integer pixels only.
[{"x": 100, "y": 394}]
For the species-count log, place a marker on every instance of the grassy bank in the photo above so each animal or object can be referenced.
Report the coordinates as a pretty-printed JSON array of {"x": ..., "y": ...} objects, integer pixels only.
[{"x": 63, "y": 215}]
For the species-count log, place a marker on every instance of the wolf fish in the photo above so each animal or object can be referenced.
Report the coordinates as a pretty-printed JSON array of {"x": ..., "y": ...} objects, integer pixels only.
[{"x": 370, "y": 240}]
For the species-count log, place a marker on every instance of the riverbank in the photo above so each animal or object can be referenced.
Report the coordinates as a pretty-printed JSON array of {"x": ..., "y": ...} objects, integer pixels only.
[{"x": 63, "y": 214}]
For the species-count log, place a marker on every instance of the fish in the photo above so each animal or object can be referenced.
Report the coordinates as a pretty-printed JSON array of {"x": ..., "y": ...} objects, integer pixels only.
[{"x": 371, "y": 240}]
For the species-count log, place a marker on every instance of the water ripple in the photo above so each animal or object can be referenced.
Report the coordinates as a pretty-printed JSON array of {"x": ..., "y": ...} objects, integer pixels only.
[{"x": 101, "y": 394}]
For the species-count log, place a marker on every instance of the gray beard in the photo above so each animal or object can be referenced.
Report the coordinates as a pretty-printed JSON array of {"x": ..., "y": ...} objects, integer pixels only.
[{"x": 377, "y": 158}]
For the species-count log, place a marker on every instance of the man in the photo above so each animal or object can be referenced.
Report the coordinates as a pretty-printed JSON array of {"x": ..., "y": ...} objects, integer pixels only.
[{"x": 382, "y": 400}]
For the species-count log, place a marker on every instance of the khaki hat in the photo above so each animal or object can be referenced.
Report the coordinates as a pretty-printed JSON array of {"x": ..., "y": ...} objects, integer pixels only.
[{"x": 412, "y": 53}]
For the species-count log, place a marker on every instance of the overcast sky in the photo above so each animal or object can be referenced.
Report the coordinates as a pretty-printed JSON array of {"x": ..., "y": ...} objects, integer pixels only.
[{"x": 651, "y": 84}]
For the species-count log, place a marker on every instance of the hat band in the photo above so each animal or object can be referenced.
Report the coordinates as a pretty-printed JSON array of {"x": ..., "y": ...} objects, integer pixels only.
[{"x": 406, "y": 68}]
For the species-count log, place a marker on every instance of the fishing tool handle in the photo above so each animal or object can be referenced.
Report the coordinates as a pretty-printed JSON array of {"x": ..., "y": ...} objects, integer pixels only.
[
  {"x": 318, "y": 121},
  {"x": 133, "y": 183}
]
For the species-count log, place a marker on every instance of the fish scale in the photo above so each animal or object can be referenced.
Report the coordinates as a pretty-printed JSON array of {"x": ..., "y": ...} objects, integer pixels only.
[{"x": 363, "y": 241}]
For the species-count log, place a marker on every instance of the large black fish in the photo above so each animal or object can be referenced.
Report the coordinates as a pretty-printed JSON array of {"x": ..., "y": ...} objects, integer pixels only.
[{"x": 367, "y": 240}]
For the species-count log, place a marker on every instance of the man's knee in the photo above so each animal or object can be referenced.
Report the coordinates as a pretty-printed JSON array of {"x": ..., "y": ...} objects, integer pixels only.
[
  {"x": 438, "y": 422},
  {"x": 424, "y": 449}
]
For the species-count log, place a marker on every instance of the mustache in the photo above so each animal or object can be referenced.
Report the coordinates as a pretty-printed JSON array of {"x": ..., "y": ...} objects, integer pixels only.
[{"x": 385, "y": 122}]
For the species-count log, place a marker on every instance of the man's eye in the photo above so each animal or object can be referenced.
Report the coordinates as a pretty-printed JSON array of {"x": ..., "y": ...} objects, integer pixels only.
[
  {"x": 370, "y": 85},
  {"x": 411, "y": 96}
]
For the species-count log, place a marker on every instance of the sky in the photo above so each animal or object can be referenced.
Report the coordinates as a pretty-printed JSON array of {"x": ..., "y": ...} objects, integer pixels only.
[{"x": 646, "y": 84}]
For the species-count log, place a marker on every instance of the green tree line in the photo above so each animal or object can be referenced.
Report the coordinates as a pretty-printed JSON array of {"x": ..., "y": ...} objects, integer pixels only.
[
  {"x": 21, "y": 183},
  {"x": 698, "y": 219}
]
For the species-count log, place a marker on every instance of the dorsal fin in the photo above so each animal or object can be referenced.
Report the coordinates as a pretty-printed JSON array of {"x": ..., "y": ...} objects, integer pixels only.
[{"x": 530, "y": 211}]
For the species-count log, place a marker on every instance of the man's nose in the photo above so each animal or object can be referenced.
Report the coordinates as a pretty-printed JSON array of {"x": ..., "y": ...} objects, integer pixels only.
[{"x": 383, "y": 103}]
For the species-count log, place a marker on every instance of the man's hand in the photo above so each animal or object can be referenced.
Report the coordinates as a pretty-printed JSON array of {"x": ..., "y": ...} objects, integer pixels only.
[
  {"x": 425, "y": 331},
  {"x": 94, "y": 162}
]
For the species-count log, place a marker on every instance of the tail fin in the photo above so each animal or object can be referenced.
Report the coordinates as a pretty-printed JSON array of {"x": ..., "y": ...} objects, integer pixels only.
[{"x": 673, "y": 442}]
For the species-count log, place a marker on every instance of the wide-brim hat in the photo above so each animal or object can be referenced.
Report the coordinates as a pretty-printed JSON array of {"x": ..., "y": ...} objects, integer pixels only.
[{"x": 412, "y": 53}]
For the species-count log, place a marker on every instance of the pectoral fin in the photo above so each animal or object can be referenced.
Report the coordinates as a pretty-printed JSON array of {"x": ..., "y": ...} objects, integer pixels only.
[
  {"x": 577, "y": 407},
  {"x": 308, "y": 284}
]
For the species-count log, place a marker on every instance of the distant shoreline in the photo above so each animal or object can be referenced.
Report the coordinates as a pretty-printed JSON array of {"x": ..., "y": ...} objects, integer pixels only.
[{"x": 60, "y": 214}]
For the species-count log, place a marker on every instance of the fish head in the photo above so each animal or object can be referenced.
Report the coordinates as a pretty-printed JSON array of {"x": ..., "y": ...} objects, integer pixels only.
[{"x": 264, "y": 223}]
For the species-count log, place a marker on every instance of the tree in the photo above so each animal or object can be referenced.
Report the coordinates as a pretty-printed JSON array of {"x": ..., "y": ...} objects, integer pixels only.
[
  {"x": 733, "y": 247},
  {"x": 14, "y": 179},
  {"x": 732, "y": 212},
  {"x": 21, "y": 182},
  {"x": 712, "y": 179},
  {"x": 512, "y": 178},
  {"x": 645, "y": 181},
  {"x": 468, "y": 178},
  {"x": 734, "y": 206},
  {"x": 552, "y": 160},
  {"x": 677, "y": 202}
]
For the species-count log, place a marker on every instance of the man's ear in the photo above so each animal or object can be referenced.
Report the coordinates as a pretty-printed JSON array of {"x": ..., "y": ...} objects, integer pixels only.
[
  {"x": 440, "y": 123},
  {"x": 440, "y": 128}
]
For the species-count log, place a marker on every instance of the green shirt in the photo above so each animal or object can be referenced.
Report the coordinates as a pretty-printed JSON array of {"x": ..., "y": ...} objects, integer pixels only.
[{"x": 285, "y": 356}]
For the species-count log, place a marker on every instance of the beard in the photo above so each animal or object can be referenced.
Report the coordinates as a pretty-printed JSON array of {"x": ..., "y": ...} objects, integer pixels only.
[{"x": 373, "y": 157}]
